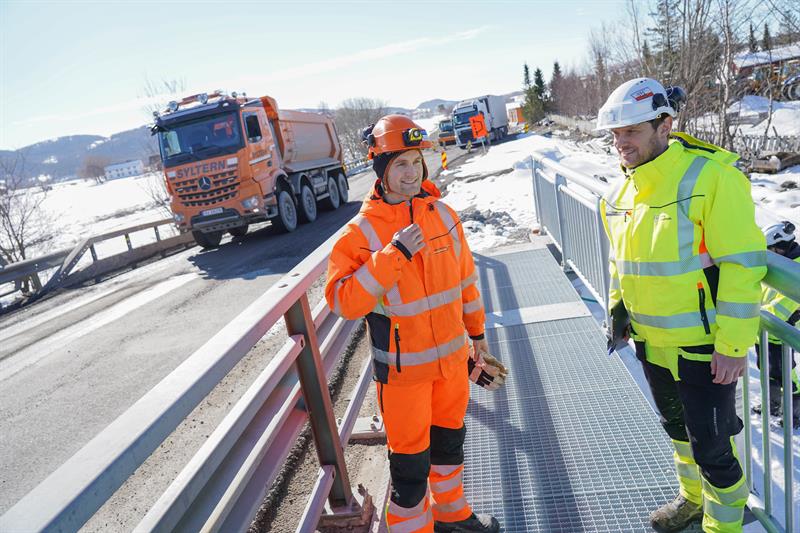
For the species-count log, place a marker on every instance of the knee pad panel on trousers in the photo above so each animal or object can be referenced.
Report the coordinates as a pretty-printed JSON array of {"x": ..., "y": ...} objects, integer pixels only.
[
  {"x": 447, "y": 445},
  {"x": 409, "y": 474},
  {"x": 711, "y": 418},
  {"x": 667, "y": 398}
]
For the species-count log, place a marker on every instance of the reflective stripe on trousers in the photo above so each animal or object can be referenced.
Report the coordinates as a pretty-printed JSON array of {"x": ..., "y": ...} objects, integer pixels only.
[{"x": 724, "y": 508}]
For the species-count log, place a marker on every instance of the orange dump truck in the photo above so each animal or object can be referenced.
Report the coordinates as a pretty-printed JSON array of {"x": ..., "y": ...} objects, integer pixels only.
[{"x": 230, "y": 161}]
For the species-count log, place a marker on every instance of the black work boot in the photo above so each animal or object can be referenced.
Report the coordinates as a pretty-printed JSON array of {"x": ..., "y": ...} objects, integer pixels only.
[
  {"x": 477, "y": 522},
  {"x": 775, "y": 403},
  {"x": 795, "y": 413},
  {"x": 676, "y": 515}
]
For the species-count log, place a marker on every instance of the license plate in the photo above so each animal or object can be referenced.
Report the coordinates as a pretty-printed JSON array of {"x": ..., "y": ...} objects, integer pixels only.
[{"x": 215, "y": 211}]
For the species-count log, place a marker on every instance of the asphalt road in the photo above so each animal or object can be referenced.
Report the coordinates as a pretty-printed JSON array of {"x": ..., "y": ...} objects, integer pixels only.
[{"x": 72, "y": 363}]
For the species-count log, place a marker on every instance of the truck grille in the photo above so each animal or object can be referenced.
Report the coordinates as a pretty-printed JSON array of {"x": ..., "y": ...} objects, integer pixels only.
[{"x": 224, "y": 186}]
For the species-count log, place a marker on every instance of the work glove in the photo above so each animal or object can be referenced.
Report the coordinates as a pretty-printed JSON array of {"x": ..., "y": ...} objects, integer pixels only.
[{"x": 486, "y": 371}]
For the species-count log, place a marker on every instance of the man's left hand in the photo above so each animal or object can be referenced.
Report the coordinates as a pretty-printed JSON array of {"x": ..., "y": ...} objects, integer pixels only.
[{"x": 726, "y": 369}]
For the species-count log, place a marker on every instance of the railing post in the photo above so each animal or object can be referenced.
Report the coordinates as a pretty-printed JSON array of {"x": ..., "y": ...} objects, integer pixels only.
[
  {"x": 559, "y": 181},
  {"x": 94, "y": 253},
  {"x": 764, "y": 356},
  {"x": 748, "y": 452},
  {"x": 788, "y": 429},
  {"x": 158, "y": 236},
  {"x": 604, "y": 251},
  {"x": 128, "y": 242},
  {"x": 318, "y": 401},
  {"x": 536, "y": 199}
]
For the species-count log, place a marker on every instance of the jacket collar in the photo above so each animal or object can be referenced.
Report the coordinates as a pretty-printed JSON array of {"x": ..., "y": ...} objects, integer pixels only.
[
  {"x": 376, "y": 206},
  {"x": 661, "y": 170}
]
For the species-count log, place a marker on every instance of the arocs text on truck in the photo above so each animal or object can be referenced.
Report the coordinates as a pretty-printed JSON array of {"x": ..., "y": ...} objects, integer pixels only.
[
  {"x": 230, "y": 161},
  {"x": 493, "y": 109}
]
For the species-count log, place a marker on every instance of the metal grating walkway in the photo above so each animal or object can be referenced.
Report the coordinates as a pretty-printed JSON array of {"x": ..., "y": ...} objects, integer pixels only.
[{"x": 569, "y": 444}]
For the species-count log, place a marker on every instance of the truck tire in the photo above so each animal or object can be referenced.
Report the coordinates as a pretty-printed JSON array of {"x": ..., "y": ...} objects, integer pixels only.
[
  {"x": 307, "y": 204},
  {"x": 333, "y": 201},
  {"x": 341, "y": 181},
  {"x": 287, "y": 212},
  {"x": 239, "y": 231},
  {"x": 207, "y": 241}
]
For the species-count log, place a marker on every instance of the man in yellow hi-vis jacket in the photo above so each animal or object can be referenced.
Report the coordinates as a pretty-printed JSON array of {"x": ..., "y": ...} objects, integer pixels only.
[
  {"x": 781, "y": 240},
  {"x": 687, "y": 259}
]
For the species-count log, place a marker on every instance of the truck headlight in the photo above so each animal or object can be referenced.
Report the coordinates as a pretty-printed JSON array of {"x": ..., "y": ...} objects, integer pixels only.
[
  {"x": 178, "y": 218},
  {"x": 250, "y": 203}
]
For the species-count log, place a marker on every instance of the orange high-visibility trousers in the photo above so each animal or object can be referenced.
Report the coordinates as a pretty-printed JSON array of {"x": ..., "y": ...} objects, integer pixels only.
[{"x": 425, "y": 432}]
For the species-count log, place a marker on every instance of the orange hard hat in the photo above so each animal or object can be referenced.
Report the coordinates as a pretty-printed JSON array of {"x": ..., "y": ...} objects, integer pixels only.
[{"x": 394, "y": 133}]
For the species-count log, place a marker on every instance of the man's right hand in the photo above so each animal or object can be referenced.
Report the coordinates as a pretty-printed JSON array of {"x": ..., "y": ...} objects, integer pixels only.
[{"x": 411, "y": 239}]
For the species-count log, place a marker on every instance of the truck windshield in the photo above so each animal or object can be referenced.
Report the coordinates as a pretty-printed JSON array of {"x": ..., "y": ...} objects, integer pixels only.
[
  {"x": 460, "y": 119},
  {"x": 198, "y": 139},
  {"x": 446, "y": 125}
]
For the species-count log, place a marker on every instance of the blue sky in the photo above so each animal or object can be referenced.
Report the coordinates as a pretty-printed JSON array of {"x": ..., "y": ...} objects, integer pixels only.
[{"x": 80, "y": 67}]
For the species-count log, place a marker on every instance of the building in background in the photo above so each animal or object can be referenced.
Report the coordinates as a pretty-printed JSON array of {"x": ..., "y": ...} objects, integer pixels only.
[{"x": 134, "y": 167}]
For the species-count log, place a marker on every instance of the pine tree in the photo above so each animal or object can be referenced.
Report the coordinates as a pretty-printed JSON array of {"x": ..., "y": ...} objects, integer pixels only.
[
  {"x": 533, "y": 106},
  {"x": 766, "y": 41},
  {"x": 556, "y": 83},
  {"x": 752, "y": 42},
  {"x": 647, "y": 59},
  {"x": 664, "y": 35},
  {"x": 538, "y": 83}
]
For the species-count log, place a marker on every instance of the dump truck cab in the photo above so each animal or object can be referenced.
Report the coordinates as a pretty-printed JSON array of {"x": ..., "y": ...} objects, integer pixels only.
[{"x": 229, "y": 162}]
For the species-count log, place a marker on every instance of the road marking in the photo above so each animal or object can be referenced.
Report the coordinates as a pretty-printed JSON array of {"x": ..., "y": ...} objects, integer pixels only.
[{"x": 39, "y": 350}]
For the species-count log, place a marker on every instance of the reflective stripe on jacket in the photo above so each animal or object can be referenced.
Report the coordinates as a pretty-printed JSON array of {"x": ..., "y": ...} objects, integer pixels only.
[
  {"x": 686, "y": 254},
  {"x": 418, "y": 311}
]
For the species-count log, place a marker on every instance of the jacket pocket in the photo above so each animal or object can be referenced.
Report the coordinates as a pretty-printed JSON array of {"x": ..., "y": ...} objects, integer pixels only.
[
  {"x": 379, "y": 332},
  {"x": 701, "y": 296}
]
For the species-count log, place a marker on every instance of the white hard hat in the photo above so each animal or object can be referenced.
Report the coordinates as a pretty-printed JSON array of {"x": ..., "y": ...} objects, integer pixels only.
[
  {"x": 634, "y": 102},
  {"x": 777, "y": 233}
]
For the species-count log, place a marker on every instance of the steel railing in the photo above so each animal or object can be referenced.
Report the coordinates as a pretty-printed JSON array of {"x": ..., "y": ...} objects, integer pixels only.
[
  {"x": 567, "y": 207},
  {"x": 225, "y": 482},
  {"x": 65, "y": 261}
]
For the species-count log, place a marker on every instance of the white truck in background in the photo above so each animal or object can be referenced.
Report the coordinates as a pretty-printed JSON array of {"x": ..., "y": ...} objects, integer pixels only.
[{"x": 493, "y": 109}]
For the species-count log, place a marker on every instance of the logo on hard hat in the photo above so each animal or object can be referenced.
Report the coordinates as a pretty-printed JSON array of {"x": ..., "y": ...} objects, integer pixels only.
[
  {"x": 642, "y": 94},
  {"x": 204, "y": 183}
]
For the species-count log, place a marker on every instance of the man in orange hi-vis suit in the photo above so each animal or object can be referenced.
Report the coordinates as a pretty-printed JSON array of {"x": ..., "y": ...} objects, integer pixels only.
[{"x": 404, "y": 264}]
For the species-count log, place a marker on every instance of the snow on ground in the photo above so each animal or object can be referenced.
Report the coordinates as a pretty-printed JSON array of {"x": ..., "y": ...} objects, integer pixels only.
[
  {"x": 753, "y": 111},
  {"x": 494, "y": 191},
  {"x": 82, "y": 208}
]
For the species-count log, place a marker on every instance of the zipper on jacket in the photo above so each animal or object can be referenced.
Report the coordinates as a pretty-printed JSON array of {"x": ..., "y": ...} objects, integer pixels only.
[
  {"x": 411, "y": 209},
  {"x": 701, "y": 293},
  {"x": 380, "y": 399},
  {"x": 397, "y": 345}
]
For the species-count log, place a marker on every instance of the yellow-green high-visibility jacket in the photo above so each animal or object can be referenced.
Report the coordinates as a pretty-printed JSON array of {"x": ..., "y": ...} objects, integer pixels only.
[
  {"x": 686, "y": 255},
  {"x": 778, "y": 304}
]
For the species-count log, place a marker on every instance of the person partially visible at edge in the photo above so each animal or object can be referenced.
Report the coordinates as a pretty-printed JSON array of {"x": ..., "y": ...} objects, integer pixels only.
[
  {"x": 780, "y": 240},
  {"x": 404, "y": 264},
  {"x": 686, "y": 263}
]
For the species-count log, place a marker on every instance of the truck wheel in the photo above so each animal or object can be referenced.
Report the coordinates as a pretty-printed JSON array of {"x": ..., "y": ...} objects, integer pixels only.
[
  {"x": 341, "y": 181},
  {"x": 207, "y": 241},
  {"x": 238, "y": 231},
  {"x": 308, "y": 204},
  {"x": 332, "y": 201},
  {"x": 287, "y": 212}
]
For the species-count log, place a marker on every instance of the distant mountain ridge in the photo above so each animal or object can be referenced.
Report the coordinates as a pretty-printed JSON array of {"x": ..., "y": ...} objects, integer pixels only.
[{"x": 63, "y": 157}]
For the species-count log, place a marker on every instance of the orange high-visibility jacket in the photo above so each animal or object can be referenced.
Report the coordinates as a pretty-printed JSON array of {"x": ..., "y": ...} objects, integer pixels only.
[{"x": 417, "y": 310}]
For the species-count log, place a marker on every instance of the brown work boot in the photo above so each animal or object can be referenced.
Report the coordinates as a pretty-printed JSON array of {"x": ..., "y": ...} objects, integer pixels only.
[
  {"x": 676, "y": 515},
  {"x": 477, "y": 522}
]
